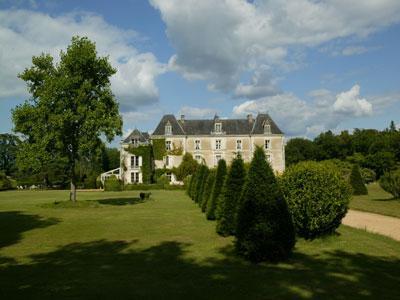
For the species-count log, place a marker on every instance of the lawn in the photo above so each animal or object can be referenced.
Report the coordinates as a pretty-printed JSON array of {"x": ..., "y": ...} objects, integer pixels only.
[
  {"x": 112, "y": 245},
  {"x": 377, "y": 201}
]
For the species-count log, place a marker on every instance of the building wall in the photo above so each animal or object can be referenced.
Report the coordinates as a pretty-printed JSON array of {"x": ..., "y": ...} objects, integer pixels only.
[
  {"x": 228, "y": 151},
  {"x": 125, "y": 158}
]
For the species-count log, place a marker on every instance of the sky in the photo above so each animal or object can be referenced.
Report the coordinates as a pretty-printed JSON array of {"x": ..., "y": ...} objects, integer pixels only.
[{"x": 312, "y": 65}]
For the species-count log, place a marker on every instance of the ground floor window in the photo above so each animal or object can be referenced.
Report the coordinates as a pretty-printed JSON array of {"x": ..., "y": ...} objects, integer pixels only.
[
  {"x": 169, "y": 176},
  {"x": 268, "y": 157},
  {"x": 198, "y": 158},
  {"x": 135, "y": 177},
  {"x": 218, "y": 157}
]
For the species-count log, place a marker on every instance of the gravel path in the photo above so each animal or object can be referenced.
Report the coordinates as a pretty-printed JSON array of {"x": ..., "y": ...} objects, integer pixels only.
[{"x": 384, "y": 225}]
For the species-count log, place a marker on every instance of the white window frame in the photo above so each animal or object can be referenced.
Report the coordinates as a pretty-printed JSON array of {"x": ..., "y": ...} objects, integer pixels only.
[
  {"x": 268, "y": 158},
  {"x": 218, "y": 144},
  {"x": 198, "y": 158},
  {"x": 136, "y": 161},
  {"x": 135, "y": 141},
  {"x": 267, "y": 144},
  {"x": 218, "y": 127},
  {"x": 267, "y": 129},
  {"x": 239, "y": 145},
  {"x": 197, "y": 145},
  {"x": 168, "y": 129},
  {"x": 218, "y": 157},
  {"x": 134, "y": 177},
  {"x": 168, "y": 145},
  {"x": 167, "y": 160}
]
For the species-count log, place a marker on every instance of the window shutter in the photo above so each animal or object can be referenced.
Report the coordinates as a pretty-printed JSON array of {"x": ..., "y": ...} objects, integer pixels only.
[{"x": 140, "y": 161}]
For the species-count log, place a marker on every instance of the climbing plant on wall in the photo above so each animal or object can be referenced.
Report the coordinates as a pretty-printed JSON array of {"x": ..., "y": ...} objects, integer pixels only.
[
  {"x": 145, "y": 151},
  {"x": 159, "y": 150}
]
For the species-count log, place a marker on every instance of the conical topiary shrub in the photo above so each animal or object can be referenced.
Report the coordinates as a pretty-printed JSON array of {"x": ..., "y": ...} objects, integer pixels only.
[
  {"x": 203, "y": 172},
  {"x": 193, "y": 185},
  {"x": 357, "y": 182},
  {"x": 216, "y": 190},
  {"x": 208, "y": 189},
  {"x": 230, "y": 197},
  {"x": 264, "y": 228}
]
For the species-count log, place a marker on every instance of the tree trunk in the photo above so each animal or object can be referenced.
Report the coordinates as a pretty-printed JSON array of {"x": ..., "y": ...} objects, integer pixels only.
[{"x": 72, "y": 194}]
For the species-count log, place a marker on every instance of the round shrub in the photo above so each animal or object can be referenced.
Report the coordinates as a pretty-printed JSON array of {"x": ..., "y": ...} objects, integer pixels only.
[
  {"x": 113, "y": 184},
  {"x": 317, "y": 196},
  {"x": 390, "y": 182}
]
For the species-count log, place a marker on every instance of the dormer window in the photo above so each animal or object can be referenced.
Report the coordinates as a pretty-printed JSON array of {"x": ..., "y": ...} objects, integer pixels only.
[
  {"x": 267, "y": 128},
  {"x": 168, "y": 129},
  {"x": 218, "y": 127},
  {"x": 135, "y": 141}
]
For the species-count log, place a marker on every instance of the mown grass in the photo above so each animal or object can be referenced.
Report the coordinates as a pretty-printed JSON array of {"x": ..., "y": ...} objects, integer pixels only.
[
  {"x": 111, "y": 245},
  {"x": 377, "y": 201}
]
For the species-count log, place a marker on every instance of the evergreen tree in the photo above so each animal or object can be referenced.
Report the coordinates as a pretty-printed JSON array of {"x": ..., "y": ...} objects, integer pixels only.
[
  {"x": 193, "y": 184},
  {"x": 216, "y": 190},
  {"x": 203, "y": 172},
  {"x": 264, "y": 228},
  {"x": 208, "y": 189},
  {"x": 230, "y": 197},
  {"x": 357, "y": 182}
]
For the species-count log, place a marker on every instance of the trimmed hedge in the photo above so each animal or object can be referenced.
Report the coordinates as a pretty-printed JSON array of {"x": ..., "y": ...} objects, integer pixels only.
[
  {"x": 264, "y": 225},
  {"x": 357, "y": 182},
  {"x": 318, "y": 197},
  {"x": 203, "y": 173},
  {"x": 390, "y": 182},
  {"x": 230, "y": 197},
  {"x": 216, "y": 190},
  {"x": 113, "y": 184}
]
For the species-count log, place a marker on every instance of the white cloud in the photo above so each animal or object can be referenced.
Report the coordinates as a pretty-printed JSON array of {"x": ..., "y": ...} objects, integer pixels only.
[
  {"x": 350, "y": 103},
  {"x": 27, "y": 33},
  {"x": 354, "y": 50},
  {"x": 219, "y": 40},
  {"x": 298, "y": 117},
  {"x": 196, "y": 112}
]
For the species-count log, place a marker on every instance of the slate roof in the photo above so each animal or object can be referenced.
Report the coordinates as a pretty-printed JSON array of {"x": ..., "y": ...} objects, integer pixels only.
[
  {"x": 206, "y": 126},
  {"x": 142, "y": 136}
]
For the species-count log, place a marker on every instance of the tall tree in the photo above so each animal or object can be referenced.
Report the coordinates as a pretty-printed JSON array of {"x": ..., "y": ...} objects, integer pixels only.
[
  {"x": 230, "y": 197},
  {"x": 265, "y": 229},
  {"x": 299, "y": 149},
  {"x": 71, "y": 105},
  {"x": 8, "y": 152},
  {"x": 216, "y": 190}
]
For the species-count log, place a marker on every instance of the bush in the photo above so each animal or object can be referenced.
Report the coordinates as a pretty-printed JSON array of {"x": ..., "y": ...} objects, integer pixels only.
[
  {"x": 193, "y": 185},
  {"x": 264, "y": 226},
  {"x": 203, "y": 173},
  {"x": 230, "y": 197},
  {"x": 368, "y": 175},
  {"x": 357, "y": 182},
  {"x": 390, "y": 182},
  {"x": 6, "y": 183},
  {"x": 187, "y": 167},
  {"x": 317, "y": 196},
  {"x": 99, "y": 184},
  {"x": 113, "y": 184},
  {"x": 208, "y": 189},
  {"x": 216, "y": 190}
]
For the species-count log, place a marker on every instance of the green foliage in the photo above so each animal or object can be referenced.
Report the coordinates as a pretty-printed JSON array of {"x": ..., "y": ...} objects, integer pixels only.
[
  {"x": 368, "y": 175},
  {"x": 8, "y": 153},
  {"x": 208, "y": 189},
  {"x": 188, "y": 166},
  {"x": 318, "y": 197},
  {"x": 176, "y": 149},
  {"x": 299, "y": 149},
  {"x": 6, "y": 183},
  {"x": 380, "y": 162},
  {"x": 110, "y": 159},
  {"x": 390, "y": 182},
  {"x": 193, "y": 185},
  {"x": 264, "y": 226},
  {"x": 71, "y": 106},
  {"x": 230, "y": 198},
  {"x": 145, "y": 151},
  {"x": 159, "y": 150},
  {"x": 343, "y": 166},
  {"x": 216, "y": 190},
  {"x": 113, "y": 184},
  {"x": 203, "y": 173},
  {"x": 357, "y": 182}
]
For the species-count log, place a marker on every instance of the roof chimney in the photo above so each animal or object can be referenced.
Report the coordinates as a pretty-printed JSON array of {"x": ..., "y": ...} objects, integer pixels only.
[
  {"x": 250, "y": 118},
  {"x": 182, "y": 118}
]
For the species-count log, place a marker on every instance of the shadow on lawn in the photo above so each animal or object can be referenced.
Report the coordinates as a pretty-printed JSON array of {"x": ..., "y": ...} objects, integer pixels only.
[
  {"x": 105, "y": 269},
  {"x": 14, "y": 223},
  {"x": 120, "y": 201}
]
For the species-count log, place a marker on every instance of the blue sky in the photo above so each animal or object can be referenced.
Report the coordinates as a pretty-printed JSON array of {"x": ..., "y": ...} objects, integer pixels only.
[{"x": 333, "y": 66}]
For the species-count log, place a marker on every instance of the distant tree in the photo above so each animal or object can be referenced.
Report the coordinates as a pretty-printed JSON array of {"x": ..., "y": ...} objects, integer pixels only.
[
  {"x": 71, "y": 106},
  {"x": 390, "y": 182},
  {"x": 188, "y": 166},
  {"x": 299, "y": 149},
  {"x": 8, "y": 153},
  {"x": 380, "y": 162},
  {"x": 110, "y": 159},
  {"x": 392, "y": 127},
  {"x": 208, "y": 189},
  {"x": 328, "y": 145},
  {"x": 230, "y": 198},
  {"x": 357, "y": 182},
  {"x": 216, "y": 190},
  {"x": 265, "y": 229}
]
